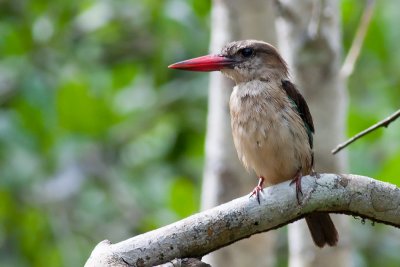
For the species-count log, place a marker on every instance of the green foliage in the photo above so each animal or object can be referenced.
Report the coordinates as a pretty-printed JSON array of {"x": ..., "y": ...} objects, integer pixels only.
[
  {"x": 374, "y": 90},
  {"x": 374, "y": 95},
  {"x": 98, "y": 139}
]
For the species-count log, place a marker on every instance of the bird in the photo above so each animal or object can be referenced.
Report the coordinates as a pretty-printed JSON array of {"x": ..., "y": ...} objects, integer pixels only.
[{"x": 271, "y": 123}]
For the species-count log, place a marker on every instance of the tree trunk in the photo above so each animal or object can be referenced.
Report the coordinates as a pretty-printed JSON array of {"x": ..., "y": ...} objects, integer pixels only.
[
  {"x": 310, "y": 41},
  {"x": 224, "y": 176}
]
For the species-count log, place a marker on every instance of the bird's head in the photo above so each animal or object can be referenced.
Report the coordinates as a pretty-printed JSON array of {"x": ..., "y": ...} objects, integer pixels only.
[{"x": 242, "y": 61}]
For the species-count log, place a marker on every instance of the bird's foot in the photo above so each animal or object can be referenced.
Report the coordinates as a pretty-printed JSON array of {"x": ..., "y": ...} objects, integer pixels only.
[
  {"x": 297, "y": 180},
  {"x": 258, "y": 189}
]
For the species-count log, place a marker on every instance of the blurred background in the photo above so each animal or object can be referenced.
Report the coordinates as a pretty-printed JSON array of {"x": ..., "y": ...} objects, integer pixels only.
[{"x": 99, "y": 140}]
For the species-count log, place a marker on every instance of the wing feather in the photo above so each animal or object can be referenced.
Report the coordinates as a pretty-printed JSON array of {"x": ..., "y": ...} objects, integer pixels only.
[{"x": 302, "y": 107}]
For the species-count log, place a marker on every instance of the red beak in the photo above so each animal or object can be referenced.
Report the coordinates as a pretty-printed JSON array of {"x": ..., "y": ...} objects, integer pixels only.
[{"x": 204, "y": 63}]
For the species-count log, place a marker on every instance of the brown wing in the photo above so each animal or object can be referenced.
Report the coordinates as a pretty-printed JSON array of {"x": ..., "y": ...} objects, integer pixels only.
[{"x": 302, "y": 106}]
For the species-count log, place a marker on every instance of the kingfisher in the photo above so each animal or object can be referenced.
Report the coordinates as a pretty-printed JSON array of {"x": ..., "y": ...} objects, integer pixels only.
[{"x": 272, "y": 126}]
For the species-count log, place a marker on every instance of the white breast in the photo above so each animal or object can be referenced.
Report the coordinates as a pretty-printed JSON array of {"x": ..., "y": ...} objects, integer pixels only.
[{"x": 269, "y": 135}]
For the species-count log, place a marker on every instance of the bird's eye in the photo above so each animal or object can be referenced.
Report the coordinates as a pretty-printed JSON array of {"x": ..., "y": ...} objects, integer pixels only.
[{"x": 247, "y": 52}]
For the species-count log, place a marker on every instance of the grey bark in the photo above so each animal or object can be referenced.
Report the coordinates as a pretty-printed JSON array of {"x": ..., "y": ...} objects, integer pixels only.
[
  {"x": 210, "y": 230},
  {"x": 224, "y": 176},
  {"x": 310, "y": 41}
]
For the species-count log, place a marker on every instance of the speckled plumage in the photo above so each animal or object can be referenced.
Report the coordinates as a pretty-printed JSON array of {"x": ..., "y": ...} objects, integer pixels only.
[
  {"x": 269, "y": 134},
  {"x": 272, "y": 126}
]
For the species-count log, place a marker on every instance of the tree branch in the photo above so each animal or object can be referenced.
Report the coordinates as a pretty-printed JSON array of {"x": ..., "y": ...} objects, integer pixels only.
[
  {"x": 382, "y": 123},
  {"x": 212, "y": 229},
  {"x": 348, "y": 66}
]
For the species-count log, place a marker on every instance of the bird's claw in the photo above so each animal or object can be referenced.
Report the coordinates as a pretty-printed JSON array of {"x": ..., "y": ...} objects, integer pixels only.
[
  {"x": 297, "y": 180},
  {"x": 258, "y": 189}
]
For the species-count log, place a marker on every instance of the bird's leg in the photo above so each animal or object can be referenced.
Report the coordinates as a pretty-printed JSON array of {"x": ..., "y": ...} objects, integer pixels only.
[
  {"x": 256, "y": 191},
  {"x": 297, "y": 181}
]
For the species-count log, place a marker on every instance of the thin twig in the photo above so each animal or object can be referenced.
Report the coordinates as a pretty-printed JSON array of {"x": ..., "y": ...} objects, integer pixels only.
[
  {"x": 381, "y": 123},
  {"x": 352, "y": 56}
]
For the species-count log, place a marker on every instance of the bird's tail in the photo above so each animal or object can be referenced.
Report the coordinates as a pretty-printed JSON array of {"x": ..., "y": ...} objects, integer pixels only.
[{"x": 322, "y": 229}]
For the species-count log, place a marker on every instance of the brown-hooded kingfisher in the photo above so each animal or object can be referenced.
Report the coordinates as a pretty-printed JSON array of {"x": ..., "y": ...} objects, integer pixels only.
[{"x": 271, "y": 123}]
